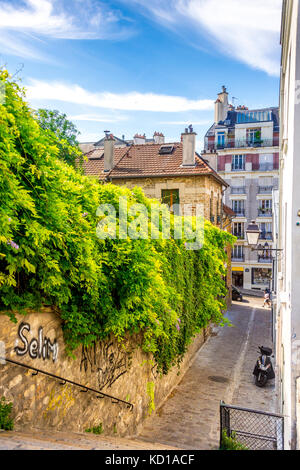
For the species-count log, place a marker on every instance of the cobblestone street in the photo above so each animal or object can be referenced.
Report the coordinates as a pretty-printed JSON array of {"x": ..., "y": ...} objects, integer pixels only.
[{"x": 222, "y": 370}]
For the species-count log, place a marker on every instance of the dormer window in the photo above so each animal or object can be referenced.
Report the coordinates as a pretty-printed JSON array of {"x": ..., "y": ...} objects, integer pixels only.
[{"x": 166, "y": 149}]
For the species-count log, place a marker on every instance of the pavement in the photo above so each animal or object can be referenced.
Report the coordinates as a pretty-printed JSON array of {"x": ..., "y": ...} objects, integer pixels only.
[
  {"x": 222, "y": 370},
  {"x": 189, "y": 418},
  {"x": 58, "y": 440}
]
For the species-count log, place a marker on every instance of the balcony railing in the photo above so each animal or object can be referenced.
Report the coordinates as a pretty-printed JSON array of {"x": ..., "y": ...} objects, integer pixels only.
[
  {"x": 265, "y": 189},
  {"x": 265, "y": 213},
  {"x": 266, "y": 236},
  {"x": 239, "y": 235},
  {"x": 239, "y": 212},
  {"x": 237, "y": 258},
  {"x": 265, "y": 259},
  {"x": 266, "y": 167},
  {"x": 241, "y": 190},
  {"x": 240, "y": 143}
]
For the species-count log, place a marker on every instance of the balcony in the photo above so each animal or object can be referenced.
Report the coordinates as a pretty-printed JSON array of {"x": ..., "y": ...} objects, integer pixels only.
[
  {"x": 265, "y": 259},
  {"x": 265, "y": 190},
  {"x": 237, "y": 258},
  {"x": 239, "y": 235},
  {"x": 241, "y": 190},
  {"x": 266, "y": 236},
  {"x": 239, "y": 212},
  {"x": 237, "y": 144},
  {"x": 265, "y": 213},
  {"x": 266, "y": 167}
]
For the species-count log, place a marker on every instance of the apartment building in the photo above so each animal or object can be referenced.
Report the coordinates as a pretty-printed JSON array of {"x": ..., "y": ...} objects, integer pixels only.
[
  {"x": 288, "y": 259},
  {"x": 243, "y": 147}
]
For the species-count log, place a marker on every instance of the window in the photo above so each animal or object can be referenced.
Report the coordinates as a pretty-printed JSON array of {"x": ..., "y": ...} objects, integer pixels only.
[
  {"x": 261, "y": 276},
  {"x": 238, "y": 162},
  {"x": 266, "y": 162},
  {"x": 238, "y": 252},
  {"x": 253, "y": 136},
  {"x": 238, "y": 230},
  {"x": 221, "y": 139},
  {"x": 166, "y": 149},
  {"x": 170, "y": 197},
  {"x": 265, "y": 207},
  {"x": 254, "y": 116},
  {"x": 266, "y": 231},
  {"x": 239, "y": 208},
  {"x": 238, "y": 186}
]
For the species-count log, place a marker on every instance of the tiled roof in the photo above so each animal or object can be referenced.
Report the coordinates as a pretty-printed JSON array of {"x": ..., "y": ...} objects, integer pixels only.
[
  {"x": 228, "y": 211},
  {"x": 144, "y": 161},
  {"x": 94, "y": 166}
]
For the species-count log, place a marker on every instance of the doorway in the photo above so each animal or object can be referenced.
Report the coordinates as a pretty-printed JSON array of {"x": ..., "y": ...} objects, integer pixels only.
[{"x": 238, "y": 278}]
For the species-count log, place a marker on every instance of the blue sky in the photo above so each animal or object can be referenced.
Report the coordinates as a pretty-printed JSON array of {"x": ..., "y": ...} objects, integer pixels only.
[{"x": 140, "y": 65}]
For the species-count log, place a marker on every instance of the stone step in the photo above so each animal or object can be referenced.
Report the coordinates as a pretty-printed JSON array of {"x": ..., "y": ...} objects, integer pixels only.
[{"x": 58, "y": 440}]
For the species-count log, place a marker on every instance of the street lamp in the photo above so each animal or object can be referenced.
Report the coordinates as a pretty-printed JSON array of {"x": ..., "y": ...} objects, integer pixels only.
[{"x": 252, "y": 233}]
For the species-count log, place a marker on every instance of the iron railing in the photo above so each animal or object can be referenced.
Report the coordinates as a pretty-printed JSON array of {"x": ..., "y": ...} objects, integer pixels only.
[
  {"x": 265, "y": 212},
  {"x": 265, "y": 259},
  {"x": 237, "y": 259},
  {"x": 266, "y": 236},
  {"x": 239, "y": 235},
  {"x": 256, "y": 430},
  {"x": 63, "y": 381},
  {"x": 265, "y": 190},
  {"x": 241, "y": 190},
  {"x": 241, "y": 143}
]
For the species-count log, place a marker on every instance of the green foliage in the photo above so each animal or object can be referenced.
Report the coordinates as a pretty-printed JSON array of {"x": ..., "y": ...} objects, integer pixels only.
[
  {"x": 96, "y": 429},
  {"x": 150, "y": 393},
  {"x": 231, "y": 442},
  {"x": 6, "y": 422},
  {"x": 50, "y": 254},
  {"x": 62, "y": 133}
]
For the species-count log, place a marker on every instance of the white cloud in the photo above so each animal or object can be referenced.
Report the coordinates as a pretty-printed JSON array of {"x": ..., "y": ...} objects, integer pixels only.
[
  {"x": 59, "y": 19},
  {"x": 245, "y": 30},
  {"x": 133, "y": 101}
]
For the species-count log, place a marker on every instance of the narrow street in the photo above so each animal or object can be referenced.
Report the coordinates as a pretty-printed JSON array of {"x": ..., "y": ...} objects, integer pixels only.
[
  {"x": 189, "y": 418},
  {"x": 222, "y": 370}
]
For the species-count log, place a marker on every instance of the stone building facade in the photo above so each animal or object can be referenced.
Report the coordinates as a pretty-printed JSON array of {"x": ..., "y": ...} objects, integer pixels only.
[
  {"x": 243, "y": 147},
  {"x": 172, "y": 173}
]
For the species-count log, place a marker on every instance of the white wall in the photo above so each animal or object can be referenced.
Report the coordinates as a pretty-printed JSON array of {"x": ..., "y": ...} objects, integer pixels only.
[{"x": 288, "y": 327}]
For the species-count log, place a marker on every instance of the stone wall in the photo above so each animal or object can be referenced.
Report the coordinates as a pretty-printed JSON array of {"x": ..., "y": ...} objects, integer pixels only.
[
  {"x": 119, "y": 370},
  {"x": 193, "y": 190}
]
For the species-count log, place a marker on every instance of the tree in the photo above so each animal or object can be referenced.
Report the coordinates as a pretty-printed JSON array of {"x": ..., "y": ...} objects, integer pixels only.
[{"x": 65, "y": 134}]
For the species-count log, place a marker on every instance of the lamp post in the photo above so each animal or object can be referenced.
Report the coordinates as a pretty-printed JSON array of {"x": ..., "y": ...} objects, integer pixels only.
[{"x": 252, "y": 234}]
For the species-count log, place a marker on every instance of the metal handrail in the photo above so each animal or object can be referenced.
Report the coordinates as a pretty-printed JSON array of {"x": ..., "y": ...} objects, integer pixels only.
[{"x": 63, "y": 381}]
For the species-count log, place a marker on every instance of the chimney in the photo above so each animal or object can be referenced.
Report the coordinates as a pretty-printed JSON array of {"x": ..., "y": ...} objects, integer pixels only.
[
  {"x": 158, "y": 138},
  {"x": 109, "y": 147},
  {"x": 139, "y": 139},
  {"x": 188, "y": 139},
  {"x": 221, "y": 106}
]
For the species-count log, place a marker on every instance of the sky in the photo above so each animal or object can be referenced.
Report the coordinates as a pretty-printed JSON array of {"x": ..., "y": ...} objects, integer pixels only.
[{"x": 140, "y": 66}]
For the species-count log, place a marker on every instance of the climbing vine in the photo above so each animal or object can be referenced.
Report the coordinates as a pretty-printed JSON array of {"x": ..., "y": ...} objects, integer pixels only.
[{"x": 50, "y": 253}]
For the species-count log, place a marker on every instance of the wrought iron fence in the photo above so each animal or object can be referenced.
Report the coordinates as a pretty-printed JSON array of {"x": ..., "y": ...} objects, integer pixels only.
[{"x": 256, "y": 430}]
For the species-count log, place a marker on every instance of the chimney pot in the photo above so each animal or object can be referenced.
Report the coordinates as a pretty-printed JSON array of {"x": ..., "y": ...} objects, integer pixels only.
[
  {"x": 188, "y": 148},
  {"x": 109, "y": 148}
]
